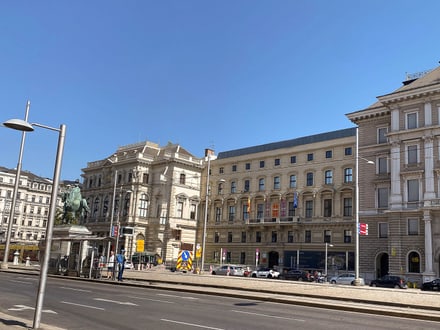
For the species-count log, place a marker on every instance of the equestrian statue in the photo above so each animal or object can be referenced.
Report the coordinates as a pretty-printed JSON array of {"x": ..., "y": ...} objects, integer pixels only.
[{"x": 75, "y": 206}]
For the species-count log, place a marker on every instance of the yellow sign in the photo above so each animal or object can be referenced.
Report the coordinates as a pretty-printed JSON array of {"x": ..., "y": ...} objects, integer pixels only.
[
  {"x": 140, "y": 245},
  {"x": 198, "y": 253}
]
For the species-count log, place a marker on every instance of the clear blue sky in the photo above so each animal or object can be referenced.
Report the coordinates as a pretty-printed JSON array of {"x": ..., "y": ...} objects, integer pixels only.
[{"x": 221, "y": 74}]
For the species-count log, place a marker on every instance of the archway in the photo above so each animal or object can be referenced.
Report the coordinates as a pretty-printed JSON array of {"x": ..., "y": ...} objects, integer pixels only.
[
  {"x": 382, "y": 264},
  {"x": 273, "y": 259}
]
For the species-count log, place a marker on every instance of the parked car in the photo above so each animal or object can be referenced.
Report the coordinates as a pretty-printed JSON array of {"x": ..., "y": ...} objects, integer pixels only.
[
  {"x": 431, "y": 285},
  {"x": 265, "y": 272},
  {"x": 232, "y": 270},
  {"x": 346, "y": 278},
  {"x": 390, "y": 281},
  {"x": 128, "y": 265},
  {"x": 295, "y": 275}
]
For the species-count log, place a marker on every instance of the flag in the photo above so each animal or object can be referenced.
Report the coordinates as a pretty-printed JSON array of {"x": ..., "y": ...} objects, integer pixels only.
[
  {"x": 295, "y": 200},
  {"x": 249, "y": 205}
]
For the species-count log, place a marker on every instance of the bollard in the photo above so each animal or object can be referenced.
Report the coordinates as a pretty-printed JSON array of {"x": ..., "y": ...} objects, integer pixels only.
[
  {"x": 28, "y": 261},
  {"x": 16, "y": 254}
]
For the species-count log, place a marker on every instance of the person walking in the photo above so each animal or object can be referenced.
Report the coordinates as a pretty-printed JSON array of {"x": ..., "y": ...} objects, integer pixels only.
[
  {"x": 120, "y": 259},
  {"x": 110, "y": 265}
]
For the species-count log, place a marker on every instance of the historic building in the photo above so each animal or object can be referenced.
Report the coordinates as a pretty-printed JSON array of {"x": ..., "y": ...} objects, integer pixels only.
[
  {"x": 147, "y": 193},
  {"x": 284, "y": 204},
  {"x": 399, "y": 200}
]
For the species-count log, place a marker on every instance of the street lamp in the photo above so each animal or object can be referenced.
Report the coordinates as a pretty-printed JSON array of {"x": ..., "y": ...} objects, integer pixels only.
[
  {"x": 24, "y": 126},
  {"x": 326, "y": 254},
  {"x": 205, "y": 222},
  {"x": 4, "y": 264},
  {"x": 357, "y": 280}
]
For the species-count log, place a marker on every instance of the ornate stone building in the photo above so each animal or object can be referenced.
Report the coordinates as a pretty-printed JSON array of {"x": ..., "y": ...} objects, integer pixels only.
[
  {"x": 153, "y": 192},
  {"x": 284, "y": 204},
  {"x": 399, "y": 200}
]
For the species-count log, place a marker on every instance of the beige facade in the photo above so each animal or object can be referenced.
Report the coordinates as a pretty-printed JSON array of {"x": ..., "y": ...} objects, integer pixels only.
[
  {"x": 279, "y": 204},
  {"x": 155, "y": 190},
  {"x": 399, "y": 199}
]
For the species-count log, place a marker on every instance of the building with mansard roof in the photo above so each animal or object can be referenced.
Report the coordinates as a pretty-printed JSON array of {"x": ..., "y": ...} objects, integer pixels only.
[
  {"x": 284, "y": 204},
  {"x": 151, "y": 193},
  {"x": 399, "y": 200}
]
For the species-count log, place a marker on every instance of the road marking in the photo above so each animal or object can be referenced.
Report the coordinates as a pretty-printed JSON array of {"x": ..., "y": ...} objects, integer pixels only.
[
  {"x": 155, "y": 300},
  {"x": 20, "y": 308},
  {"x": 116, "y": 302},
  {"x": 191, "y": 324},
  {"x": 22, "y": 282},
  {"x": 81, "y": 305},
  {"x": 174, "y": 296},
  {"x": 74, "y": 289},
  {"x": 266, "y": 315}
]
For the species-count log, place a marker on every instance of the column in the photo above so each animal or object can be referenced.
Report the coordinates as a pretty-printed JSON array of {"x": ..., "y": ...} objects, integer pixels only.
[
  {"x": 428, "y": 274},
  {"x": 429, "y": 193},
  {"x": 396, "y": 197}
]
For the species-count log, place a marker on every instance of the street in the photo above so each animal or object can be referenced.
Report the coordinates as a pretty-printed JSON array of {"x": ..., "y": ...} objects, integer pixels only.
[{"x": 98, "y": 305}]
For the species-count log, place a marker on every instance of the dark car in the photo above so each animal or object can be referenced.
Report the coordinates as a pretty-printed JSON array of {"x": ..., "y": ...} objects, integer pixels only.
[
  {"x": 295, "y": 275},
  {"x": 390, "y": 281},
  {"x": 431, "y": 286}
]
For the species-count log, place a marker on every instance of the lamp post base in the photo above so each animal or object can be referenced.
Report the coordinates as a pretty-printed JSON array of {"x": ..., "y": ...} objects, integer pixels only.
[
  {"x": 4, "y": 265},
  {"x": 357, "y": 282}
]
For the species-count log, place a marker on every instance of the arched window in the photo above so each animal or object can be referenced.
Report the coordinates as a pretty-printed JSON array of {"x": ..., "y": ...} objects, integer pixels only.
[
  {"x": 413, "y": 262},
  {"x": 182, "y": 178}
]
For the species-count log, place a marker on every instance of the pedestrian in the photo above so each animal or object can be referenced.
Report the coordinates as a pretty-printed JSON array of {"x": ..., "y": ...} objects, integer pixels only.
[
  {"x": 111, "y": 265},
  {"x": 120, "y": 259}
]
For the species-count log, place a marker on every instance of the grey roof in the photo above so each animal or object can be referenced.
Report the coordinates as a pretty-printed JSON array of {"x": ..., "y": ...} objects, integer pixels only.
[{"x": 347, "y": 132}]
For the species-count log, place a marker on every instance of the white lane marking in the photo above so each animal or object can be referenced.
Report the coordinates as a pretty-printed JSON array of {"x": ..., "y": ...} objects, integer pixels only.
[
  {"x": 116, "y": 302},
  {"x": 155, "y": 300},
  {"x": 81, "y": 305},
  {"x": 191, "y": 324},
  {"x": 24, "y": 307},
  {"x": 22, "y": 282},
  {"x": 174, "y": 296},
  {"x": 267, "y": 315},
  {"x": 75, "y": 289}
]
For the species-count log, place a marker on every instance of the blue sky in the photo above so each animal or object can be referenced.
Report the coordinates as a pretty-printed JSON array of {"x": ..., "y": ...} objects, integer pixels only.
[{"x": 219, "y": 74}]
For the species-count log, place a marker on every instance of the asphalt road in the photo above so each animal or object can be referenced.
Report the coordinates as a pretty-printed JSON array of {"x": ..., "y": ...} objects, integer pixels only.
[{"x": 74, "y": 305}]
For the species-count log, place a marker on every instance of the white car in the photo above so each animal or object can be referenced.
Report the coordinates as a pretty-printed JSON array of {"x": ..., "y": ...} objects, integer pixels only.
[
  {"x": 265, "y": 272},
  {"x": 346, "y": 278},
  {"x": 128, "y": 265}
]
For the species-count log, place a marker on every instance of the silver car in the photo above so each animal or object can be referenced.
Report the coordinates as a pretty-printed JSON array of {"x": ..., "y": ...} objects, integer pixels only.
[
  {"x": 346, "y": 278},
  {"x": 232, "y": 270}
]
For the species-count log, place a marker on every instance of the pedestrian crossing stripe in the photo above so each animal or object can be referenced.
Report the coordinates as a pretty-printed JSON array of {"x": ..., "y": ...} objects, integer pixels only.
[{"x": 184, "y": 260}]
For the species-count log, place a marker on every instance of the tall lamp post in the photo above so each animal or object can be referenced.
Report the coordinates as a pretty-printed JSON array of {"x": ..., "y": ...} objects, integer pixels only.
[
  {"x": 24, "y": 126},
  {"x": 4, "y": 264},
  {"x": 357, "y": 280},
  {"x": 326, "y": 257},
  {"x": 205, "y": 221}
]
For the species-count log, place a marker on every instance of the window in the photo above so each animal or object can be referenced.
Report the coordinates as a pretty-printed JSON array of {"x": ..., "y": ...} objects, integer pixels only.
[
  {"x": 145, "y": 178},
  {"x": 309, "y": 179},
  {"x": 261, "y": 163},
  {"x": 233, "y": 187},
  {"x": 245, "y": 209},
  {"x": 348, "y": 175},
  {"x": 347, "y": 236},
  {"x": 274, "y": 236},
  {"x": 258, "y": 237},
  {"x": 292, "y": 208},
  {"x": 216, "y": 237},
  {"x": 218, "y": 214},
  {"x": 220, "y": 188},
  {"x": 228, "y": 256},
  {"x": 292, "y": 159},
  {"x": 277, "y": 162},
  {"x": 243, "y": 237},
  {"x": 180, "y": 209},
  {"x": 221, "y": 170},
  {"x": 412, "y": 154},
  {"x": 328, "y": 154},
  {"x": 261, "y": 185},
  {"x": 230, "y": 237},
  {"x": 231, "y": 212},
  {"x": 413, "y": 262},
  {"x": 192, "y": 211},
  {"x": 348, "y": 207},
  {"x": 328, "y": 177},
  {"x": 275, "y": 210},
  {"x": 309, "y": 157},
  {"x": 383, "y": 230},
  {"x": 382, "y": 166},
  {"x": 382, "y": 198},
  {"x": 247, "y": 184},
  {"x": 234, "y": 168},
  {"x": 411, "y": 120},
  {"x": 290, "y": 236},
  {"x": 348, "y": 151},
  {"x": 382, "y": 135},
  {"x": 248, "y": 166},
  {"x": 176, "y": 234},
  {"x": 292, "y": 183},
  {"x": 413, "y": 190},
  {"x": 327, "y": 236},
  {"x": 327, "y": 208},
  {"x": 260, "y": 211},
  {"x": 413, "y": 226},
  {"x": 309, "y": 209},
  {"x": 308, "y": 236},
  {"x": 276, "y": 183},
  {"x": 242, "y": 258}
]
